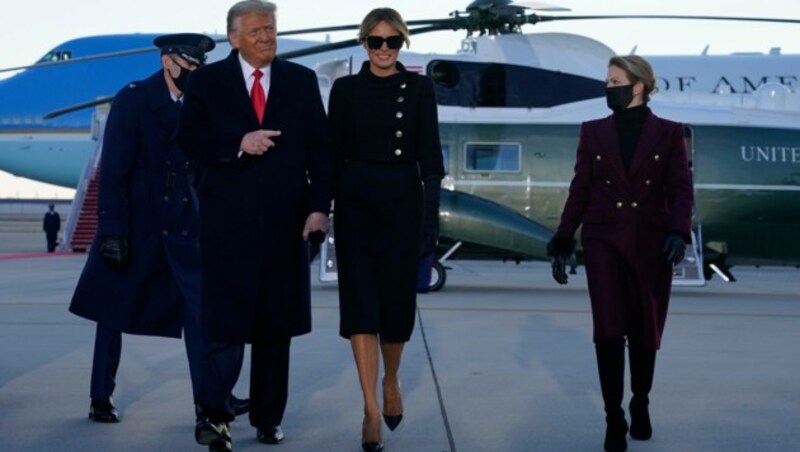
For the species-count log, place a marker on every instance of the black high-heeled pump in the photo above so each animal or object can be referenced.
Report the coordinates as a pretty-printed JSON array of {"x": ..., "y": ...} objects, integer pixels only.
[
  {"x": 372, "y": 447},
  {"x": 392, "y": 421},
  {"x": 369, "y": 446}
]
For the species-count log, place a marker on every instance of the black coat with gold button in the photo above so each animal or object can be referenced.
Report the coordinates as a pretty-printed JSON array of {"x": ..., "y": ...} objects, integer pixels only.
[{"x": 387, "y": 155}]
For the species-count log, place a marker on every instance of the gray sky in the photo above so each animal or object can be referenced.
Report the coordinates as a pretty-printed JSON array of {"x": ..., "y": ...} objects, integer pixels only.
[{"x": 31, "y": 28}]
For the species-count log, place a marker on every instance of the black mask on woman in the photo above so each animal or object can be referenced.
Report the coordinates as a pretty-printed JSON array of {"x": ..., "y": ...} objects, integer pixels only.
[
  {"x": 180, "y": 80},
  {"x": 619, "y": 97}
]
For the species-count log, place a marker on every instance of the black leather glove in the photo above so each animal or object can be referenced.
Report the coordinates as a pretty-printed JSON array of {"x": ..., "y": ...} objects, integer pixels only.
[
  {"x": 559, "y": 265},
  {"x": 116, "y": 252},
  {"x": 316, "y": 237},
  {"x": 429, "y": 233},
  {"x": 560, "y": 248},
  {"x": 674, "y": 248}
]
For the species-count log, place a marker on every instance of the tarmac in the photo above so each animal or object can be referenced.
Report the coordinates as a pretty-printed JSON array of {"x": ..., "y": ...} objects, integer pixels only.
[{"x": 501, "y": 360}]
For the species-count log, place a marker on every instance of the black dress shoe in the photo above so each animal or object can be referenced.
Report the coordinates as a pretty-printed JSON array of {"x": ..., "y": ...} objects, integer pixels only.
[
  {"x": 103, "y": 411},
  {"x": 209, "y": 432},
  {"x": 240, "y": 406},
  {"x": 270, "y": 435},
  {"x": 220, "y": 445}
]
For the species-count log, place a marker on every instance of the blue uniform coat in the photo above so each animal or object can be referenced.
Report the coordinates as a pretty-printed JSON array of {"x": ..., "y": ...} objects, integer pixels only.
[
  {"x": 145, "y": 192},
  {"x": 255, "y": 263},
  {"x": 626, "y": 216}
]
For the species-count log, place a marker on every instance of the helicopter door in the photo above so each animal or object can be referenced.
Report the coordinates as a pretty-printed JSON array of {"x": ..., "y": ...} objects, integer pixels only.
[{"x": 690, "y": 271}]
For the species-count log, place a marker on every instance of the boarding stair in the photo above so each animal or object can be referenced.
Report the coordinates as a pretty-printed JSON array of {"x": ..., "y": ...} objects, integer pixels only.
[{"x": 81, "y": 224}]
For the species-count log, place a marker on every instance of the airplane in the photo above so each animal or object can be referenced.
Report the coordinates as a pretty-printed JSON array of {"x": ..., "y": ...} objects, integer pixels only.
[{"x": 510, "y": 105}]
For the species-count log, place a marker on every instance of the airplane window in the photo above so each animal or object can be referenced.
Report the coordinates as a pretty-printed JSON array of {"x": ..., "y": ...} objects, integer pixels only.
[
  {"x": 56, "y": 55},
  {"x": 493, "y": 157},
  {"x": 469, "y": 84},
  {"x": 446, "y": 158}
]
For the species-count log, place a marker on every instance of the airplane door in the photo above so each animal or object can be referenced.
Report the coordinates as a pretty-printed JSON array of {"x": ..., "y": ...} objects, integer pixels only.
[{"x": 690, "y": 271}]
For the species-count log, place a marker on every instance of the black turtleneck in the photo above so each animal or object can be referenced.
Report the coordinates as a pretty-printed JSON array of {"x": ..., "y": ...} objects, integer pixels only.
[{"x": 629, "y": 129}]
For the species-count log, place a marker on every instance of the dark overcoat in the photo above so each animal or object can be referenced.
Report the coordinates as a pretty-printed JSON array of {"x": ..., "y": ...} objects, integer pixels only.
[
  {"x": 255, "y": 263},
  {"x": 626, "y": 217},
  {"x": 144, "y": 192}
]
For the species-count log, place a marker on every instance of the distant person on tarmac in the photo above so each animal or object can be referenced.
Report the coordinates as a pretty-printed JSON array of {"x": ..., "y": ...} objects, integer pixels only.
[
  {"x": 143, "y": 271},
  {"x": 51, "y": 226}
]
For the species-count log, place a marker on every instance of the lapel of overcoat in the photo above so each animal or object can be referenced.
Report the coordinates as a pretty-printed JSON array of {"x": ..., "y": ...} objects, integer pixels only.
[
  {"x": 277, "y": 81},
  {"x": 612, "y": 152},
  {"x": 237, "y": 88},
  {"x": 161, "y": 105},
  {"x": 646, "y": 145}
]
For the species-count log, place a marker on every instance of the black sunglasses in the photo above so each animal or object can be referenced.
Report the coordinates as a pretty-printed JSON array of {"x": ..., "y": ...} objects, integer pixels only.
[{"x": 393, "y": 42}]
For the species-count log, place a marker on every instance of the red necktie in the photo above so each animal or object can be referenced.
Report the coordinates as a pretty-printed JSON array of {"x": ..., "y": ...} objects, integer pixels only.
[{"x": 257, "y": 96}]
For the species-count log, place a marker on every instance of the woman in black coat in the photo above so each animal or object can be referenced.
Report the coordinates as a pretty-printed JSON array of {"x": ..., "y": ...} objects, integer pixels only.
[{"x": 388, "y": 167}]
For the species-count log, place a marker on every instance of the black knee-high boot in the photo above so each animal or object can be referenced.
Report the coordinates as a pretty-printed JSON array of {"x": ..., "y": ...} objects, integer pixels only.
[
  {"x": 643, "y": 364},
  {"x": 611, "y": 367}
]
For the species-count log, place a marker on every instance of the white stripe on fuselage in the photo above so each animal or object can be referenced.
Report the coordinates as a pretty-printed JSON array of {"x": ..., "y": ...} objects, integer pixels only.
[{"x": 546, "y": 184}]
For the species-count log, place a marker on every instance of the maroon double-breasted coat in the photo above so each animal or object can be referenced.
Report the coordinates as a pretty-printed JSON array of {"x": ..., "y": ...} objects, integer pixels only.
[{"x": 626, "y": 216}]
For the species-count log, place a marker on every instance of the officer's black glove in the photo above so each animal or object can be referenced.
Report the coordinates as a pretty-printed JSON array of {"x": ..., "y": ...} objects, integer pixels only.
[
  {"x": 316, "y": 237},
  {"x": 116, "y": 252},
  {"x": 674, "y": 248},
  {"x": 560, "y": 248},
  {"x": 559, "y": 265},
  {"x": 429, "y": 233}
]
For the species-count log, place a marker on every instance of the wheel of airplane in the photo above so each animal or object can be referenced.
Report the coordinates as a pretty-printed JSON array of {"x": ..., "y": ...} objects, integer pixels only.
[{"x": 438, "y": 277}]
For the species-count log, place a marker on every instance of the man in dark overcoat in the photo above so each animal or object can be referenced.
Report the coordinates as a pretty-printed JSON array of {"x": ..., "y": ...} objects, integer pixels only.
[
  {"x": 265, "y": 183},
  {"x": 51, "y": 225},
  {"x": 142, "y": 275}
]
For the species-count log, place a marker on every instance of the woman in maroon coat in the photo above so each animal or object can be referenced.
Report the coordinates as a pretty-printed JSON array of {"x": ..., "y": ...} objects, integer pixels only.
[{"x": 632, "y": 193}]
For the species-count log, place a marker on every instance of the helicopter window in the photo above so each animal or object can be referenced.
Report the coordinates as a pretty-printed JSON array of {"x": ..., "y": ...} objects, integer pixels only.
[
  {"x": 469, "y": 84},
  {"x": 446, "y": 158},
  {"x": 493, "y": 157}
]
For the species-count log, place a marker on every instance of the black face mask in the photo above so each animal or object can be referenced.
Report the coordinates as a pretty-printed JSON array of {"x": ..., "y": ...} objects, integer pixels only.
[
  {"x": 619, "y": 97},
  {"x": 180, "y": 80}
]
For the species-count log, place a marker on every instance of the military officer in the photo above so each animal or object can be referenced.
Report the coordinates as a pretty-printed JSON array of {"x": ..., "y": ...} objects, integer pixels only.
[{"x": 142, "y": 275}]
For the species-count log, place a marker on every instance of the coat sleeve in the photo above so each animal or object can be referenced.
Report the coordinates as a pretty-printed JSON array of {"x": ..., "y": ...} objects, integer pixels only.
[
  {"x": 116, "y": 163},
  {"x": 579, "y": 189},
  {"x": 337, "y": 119},
  {"x": 680, "y": 195},
  {"x": 318, "y": 149},
  {"x": 200, "y": 133},
  {"x": 429, "y": 147}
]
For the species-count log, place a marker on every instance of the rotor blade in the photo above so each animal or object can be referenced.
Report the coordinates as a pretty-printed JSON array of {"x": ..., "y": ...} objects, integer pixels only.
[
  {"x": 76, "y": 107},
  {"x": 535, "y": 18},
  {"x": 319, "y": 30},
  {"x": 410, "y": 23},
  {"x": 444, "y": 25}
]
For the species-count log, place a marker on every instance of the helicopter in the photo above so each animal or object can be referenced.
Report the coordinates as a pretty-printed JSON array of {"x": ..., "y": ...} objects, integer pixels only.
[{"x": 511, "y": 103}]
